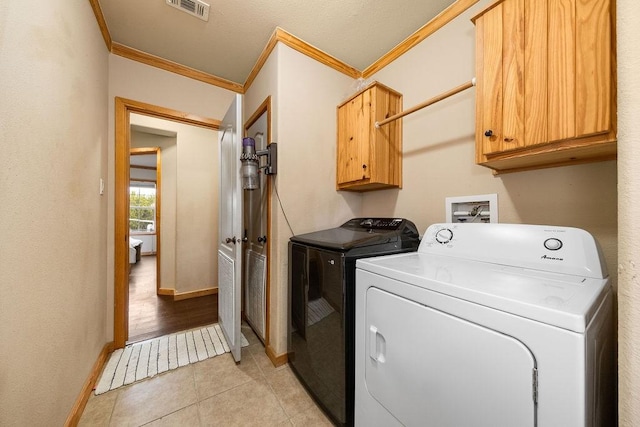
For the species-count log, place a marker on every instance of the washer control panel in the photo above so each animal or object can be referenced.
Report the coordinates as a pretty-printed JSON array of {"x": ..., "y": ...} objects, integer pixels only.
[
  {"x": 540, "y": 247},
  {"x": 377, "y": 223}
]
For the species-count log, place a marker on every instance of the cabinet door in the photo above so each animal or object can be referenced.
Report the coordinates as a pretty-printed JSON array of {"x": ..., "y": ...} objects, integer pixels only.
[
  {"x": 354, "y": 124},
  {"x": 545, "y": 72},
  {"x": 579, "y": 72},
  {"x": 489, "y": 82},
  {"x": 536, "y": 65},
  {"x": 593, "y": 67},
  {"x": 561, "y": 69},
  {"x": 501, "y": 86},
  {"x": 513, "y": 76}
]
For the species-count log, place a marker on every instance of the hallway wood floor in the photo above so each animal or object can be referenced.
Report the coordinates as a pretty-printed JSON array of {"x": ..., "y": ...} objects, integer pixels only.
[{"x": 152, "y": 316}]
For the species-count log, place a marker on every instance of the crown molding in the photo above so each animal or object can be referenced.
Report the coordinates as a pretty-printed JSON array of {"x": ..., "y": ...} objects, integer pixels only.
[
  {"x": 288, "y": 39},
  {"x": 174, "y": 67},
  {"x": 425, "y": 31},
  {"x": 97, "y": 11}
]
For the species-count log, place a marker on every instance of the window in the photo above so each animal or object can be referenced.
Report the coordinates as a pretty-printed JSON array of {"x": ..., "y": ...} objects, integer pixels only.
[{"x": 142, "y": 207}]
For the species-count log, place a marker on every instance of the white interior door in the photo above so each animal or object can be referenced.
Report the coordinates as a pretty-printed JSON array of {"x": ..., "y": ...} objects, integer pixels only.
[
  {"x": 230, "y": 220},
  {"x": 428, "y": 368}
]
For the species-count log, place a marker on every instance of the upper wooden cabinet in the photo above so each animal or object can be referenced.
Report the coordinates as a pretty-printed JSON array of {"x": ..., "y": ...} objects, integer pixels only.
[
  {"x": 545, "y": 73},
  {"x": 369, "y": 158}
]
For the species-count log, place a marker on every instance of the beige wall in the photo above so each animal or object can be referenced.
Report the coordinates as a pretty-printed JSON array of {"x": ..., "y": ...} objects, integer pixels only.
[
  {"x": 139, "y": 82},
  {"x": 53, "y": 133},
  {"x": 628, "y": 207}
]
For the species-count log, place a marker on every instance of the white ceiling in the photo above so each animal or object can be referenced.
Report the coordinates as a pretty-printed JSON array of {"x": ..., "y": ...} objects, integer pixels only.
[{"x": 357, "y": 32}]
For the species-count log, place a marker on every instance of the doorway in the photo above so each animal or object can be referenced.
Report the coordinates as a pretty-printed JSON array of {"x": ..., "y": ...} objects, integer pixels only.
[
  {"x": 124, "y": 108},
  {"x": 145, "y": 190},
  {"x": 257, "y": 241}
]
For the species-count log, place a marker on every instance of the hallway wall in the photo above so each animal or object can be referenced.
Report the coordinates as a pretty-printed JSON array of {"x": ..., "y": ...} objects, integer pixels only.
[
  {"x": 53, "y": 133},
  {"x": 629, "y": 196}
]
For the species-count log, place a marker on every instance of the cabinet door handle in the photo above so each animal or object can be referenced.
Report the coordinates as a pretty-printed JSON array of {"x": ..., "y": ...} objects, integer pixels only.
[{"x": 488, "y": 133}]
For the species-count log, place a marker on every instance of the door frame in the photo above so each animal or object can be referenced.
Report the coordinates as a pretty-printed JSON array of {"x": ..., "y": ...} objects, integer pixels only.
[
  {"x": 123, "y": 108},
  {"x": 265, "y": 107}
]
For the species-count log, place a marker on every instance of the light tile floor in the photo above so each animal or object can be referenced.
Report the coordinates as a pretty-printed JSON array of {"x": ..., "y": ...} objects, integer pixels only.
[{"x": 214, "y": 392}]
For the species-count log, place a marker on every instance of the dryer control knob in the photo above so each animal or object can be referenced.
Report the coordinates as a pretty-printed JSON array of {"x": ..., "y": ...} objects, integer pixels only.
[
  {"x": 553, "y": 244},
  {"x": 444, "y": 235}
]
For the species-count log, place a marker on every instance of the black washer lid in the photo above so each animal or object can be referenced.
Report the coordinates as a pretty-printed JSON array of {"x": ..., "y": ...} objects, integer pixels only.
[{"x": 360, "y": 232}]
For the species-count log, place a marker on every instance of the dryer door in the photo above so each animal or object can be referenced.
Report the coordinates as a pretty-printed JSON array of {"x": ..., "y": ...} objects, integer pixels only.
[{"x": 428, "y": 368}]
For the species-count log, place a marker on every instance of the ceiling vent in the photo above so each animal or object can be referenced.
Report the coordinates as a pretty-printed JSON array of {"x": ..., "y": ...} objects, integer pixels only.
[{"x": 196, "y": 8}]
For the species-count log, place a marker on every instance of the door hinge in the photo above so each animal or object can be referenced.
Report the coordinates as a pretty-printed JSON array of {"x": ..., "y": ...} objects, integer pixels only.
[{"x": 534, "y": 374}]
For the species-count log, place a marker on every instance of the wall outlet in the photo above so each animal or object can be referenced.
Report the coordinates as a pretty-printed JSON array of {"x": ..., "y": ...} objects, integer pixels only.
[{"x": 477, "y": 209}]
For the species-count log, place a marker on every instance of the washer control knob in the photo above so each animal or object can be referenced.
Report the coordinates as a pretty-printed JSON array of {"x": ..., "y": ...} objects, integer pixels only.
[
  {"x": 444, "y": 235},
  {"x": 553, "y": 244},
  {"x": 367, "y": 223}
]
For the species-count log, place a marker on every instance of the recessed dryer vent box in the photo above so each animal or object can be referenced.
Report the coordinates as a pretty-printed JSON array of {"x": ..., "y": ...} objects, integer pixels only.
[{"x": 479, "y": 209}]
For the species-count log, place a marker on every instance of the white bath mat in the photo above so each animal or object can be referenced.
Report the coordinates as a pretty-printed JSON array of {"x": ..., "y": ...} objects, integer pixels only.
[{"x": 146, "y": 359}]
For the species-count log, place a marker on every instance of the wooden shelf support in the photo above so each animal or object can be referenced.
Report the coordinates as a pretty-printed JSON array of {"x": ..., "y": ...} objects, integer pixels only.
[{"x": 431, "y": 101}]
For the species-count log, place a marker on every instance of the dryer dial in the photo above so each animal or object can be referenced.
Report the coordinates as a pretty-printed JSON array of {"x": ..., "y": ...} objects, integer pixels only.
[
  {"x": 553, "y": 244},
  {"x": 444, "y": 235}
]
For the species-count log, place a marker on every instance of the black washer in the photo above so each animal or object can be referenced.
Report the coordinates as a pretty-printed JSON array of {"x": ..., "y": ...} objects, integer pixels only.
[{"x": 321, "y": 335}]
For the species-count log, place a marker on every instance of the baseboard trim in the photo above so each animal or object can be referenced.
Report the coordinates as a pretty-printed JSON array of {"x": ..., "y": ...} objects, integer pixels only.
[
  {"x": 277, "y": 360},
  {"x": 179, "y": 296},
  {"x": 76, "y": 412},
  {"x": 166, "y": 291}
]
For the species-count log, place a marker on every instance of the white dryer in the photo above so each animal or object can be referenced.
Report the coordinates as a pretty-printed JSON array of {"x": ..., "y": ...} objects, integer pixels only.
[{"x": 486, "y": 325}]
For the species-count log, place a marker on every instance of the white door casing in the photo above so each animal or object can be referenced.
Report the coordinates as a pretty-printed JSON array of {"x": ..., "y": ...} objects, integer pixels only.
[{"x": 230, "y": 223}]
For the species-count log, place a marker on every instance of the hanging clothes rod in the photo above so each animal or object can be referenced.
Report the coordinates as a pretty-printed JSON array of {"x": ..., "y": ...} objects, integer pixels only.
[{"x": 433, "y": 100}]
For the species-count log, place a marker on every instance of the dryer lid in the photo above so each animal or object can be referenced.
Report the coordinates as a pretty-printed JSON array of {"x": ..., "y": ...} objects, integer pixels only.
[
  {"x": 567, "y": 302},
  {"x": 491, "y": 267}
]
